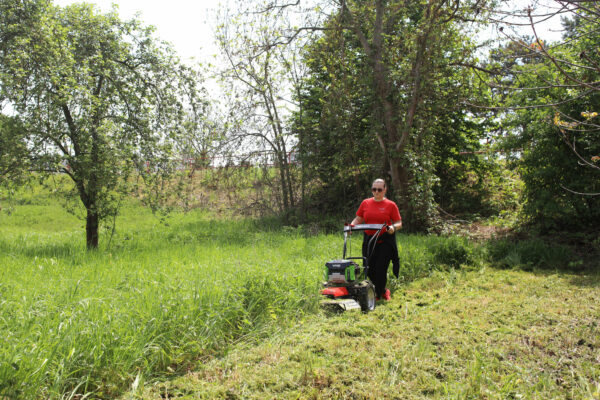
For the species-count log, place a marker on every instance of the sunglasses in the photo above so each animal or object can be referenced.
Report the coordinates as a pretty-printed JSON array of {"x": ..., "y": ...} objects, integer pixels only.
[{"x": 377, "y": 189}]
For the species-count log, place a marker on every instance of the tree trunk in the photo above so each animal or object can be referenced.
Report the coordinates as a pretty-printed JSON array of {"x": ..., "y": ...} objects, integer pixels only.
[
  {"x": 93, "y": 218},
  {"x": 284, "y": 191},
  {"x": 288, "y": 175},
  {"x": 391, "y": 138},
  {"x": 92, "y": 224},
  {"x": 286, "y": 180},
  {"x": 302, "y": 169},
  {"x": 400, "y": 183}
]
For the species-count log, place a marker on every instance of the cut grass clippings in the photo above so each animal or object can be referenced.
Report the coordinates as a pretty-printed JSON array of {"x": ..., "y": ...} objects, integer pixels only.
[{"x": 487, "y": 334}]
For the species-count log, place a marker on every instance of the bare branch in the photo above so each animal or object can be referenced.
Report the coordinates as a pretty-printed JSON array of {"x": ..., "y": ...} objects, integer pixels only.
[
  {"x": 578, "y": 5},
  {"x": 562, "y": 10},
  {"x": 272, "y": 7},
  {"x": 586, "y": 57},
  {"x": 532, "y": 51},
  {"x": 476, "y": 67},
  {"x": 579, "y": 193},
  {"x": 532, "y": 88},
  {"x": 574, "y": 150}
]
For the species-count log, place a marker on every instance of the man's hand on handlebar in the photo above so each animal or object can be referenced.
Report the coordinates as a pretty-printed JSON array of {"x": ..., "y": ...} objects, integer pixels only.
[{"x": 391, "y": 229}]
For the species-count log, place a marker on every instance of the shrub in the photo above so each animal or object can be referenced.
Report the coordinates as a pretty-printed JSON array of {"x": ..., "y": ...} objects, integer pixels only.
[
  {"x": 529, "y": 253},
  {"x": 453, "y": 252}
]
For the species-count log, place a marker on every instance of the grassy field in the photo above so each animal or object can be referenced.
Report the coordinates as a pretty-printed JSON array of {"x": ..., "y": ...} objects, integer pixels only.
[
  {"x": 480, "y": 334},
  {"x": 166, "y": 294}
]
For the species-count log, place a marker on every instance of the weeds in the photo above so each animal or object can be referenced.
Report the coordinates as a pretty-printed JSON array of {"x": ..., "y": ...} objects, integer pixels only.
[
  {"x": 454, "y": 252},
  {"x": 75, "y": 322}
]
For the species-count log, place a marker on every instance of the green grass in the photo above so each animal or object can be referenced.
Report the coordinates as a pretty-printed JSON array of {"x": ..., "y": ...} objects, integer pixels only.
[
  {"x": 165, "y": 294},
  {"x": 160, "y": 297},
  {"x": 479, "y": 334},
  {"x": 189, "y": 292}
]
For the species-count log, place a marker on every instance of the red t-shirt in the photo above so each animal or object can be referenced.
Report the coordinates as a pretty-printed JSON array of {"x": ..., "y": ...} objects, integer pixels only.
[{"x": 378, "y": 212}]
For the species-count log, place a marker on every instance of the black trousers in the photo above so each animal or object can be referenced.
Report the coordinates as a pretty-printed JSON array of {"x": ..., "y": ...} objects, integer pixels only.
[{"x": 378, "y": 266}]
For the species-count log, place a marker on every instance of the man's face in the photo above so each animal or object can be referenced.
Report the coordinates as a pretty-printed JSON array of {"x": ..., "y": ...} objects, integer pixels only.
[{"x": 378, "y": 190}]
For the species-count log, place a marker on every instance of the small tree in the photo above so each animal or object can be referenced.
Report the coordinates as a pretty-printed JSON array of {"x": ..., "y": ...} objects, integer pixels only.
[
  {"x": 262, "y": 71},
  {"x": 571, "y": 70},
  {"x": 102, "y": 97}
]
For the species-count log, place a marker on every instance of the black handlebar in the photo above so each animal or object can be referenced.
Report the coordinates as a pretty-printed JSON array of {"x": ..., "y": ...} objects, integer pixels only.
[
  {"x": 363, "y": 227},
  {"x": 370, "y": 244}
]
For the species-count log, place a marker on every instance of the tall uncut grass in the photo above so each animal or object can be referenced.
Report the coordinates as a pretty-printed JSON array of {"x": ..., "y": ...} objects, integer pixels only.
[{"x": 163, "y": 296}]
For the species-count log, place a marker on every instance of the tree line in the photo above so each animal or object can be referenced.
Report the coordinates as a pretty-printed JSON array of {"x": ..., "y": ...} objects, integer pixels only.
[{"x": 459, "y": 121}]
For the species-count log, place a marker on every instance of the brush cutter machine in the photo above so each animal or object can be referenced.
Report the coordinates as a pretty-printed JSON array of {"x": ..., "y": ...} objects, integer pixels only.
[{"x": 348, "y": 286}]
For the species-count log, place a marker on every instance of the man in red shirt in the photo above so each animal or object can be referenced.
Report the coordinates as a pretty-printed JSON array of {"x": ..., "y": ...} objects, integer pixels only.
[{"x": 379, "y": 210}]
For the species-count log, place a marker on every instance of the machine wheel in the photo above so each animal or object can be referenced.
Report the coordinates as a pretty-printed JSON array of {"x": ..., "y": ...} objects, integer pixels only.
[{"x": 366, "y": 296}]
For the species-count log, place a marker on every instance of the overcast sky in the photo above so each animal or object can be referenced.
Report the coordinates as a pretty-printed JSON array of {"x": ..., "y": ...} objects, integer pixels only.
[{"x": 187, "y": 24}]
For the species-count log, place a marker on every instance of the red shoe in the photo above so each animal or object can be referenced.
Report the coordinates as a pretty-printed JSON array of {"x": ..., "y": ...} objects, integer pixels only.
[{"x": 387, "y": 295}]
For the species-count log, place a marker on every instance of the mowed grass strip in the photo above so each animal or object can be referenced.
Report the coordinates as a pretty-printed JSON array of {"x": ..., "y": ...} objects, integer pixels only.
[{"x": 487, "y": 334}]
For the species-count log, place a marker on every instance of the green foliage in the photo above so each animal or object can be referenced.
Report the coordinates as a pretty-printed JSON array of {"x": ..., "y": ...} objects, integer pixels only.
[
  {"x": 481, "y": 187},
  {"x": 13, "y": 151},
  {"x": 14, "y": 160},
  {"x": 551, "y": 173},
  {"x": 345, "y": 138},
  {"x": 473, "y": 180},
  {"x": 334, "y": 123},
  {"x": 454, "y": 252},
  {"x": 530, "y": 253},
  {"x": 557, "y": 145}
]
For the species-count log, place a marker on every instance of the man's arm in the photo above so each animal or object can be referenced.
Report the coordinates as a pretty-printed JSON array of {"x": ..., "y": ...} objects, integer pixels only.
[{"x": 357, "y": 220}]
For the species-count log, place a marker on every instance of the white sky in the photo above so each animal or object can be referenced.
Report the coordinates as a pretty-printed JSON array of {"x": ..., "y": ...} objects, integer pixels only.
[
  {"x": 548, "y": 29},
  {"x": 187, "y": 24}
]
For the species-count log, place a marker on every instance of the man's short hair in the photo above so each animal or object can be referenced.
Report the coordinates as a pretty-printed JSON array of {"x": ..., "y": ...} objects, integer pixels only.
[{"x": 380, "y": 180}]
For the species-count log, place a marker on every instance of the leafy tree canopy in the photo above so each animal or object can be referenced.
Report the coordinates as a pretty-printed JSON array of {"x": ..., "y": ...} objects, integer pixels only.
[
  {"x": 102, "y": 98},
  {"x": 553, "y": 98},
  {"x": 385, "y": 97}
]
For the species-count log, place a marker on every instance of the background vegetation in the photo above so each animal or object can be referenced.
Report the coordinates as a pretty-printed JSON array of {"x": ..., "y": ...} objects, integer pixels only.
[{"x": 321, "y": 101}]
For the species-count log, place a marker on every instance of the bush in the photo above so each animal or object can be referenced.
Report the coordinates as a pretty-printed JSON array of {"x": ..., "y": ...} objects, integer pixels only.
[
  {"x": 454, "y": 252},
  {"x": 421, "y": 255},
  {"x": 528, "y": 254}
]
